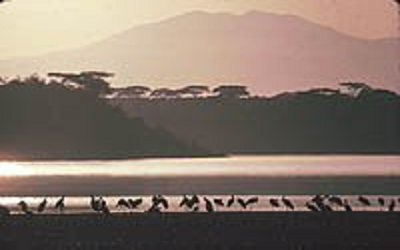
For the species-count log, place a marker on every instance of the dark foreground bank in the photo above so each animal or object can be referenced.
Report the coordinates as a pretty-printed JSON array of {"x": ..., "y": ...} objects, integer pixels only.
[{"x": 266, "y": 230}]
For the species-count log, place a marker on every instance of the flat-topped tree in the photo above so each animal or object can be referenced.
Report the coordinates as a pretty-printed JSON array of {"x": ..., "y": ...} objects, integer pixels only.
[
  {"x": 231, "y": 91},
  {"x": 93, "y": 81},
  {"x": 195, "y": 90}
]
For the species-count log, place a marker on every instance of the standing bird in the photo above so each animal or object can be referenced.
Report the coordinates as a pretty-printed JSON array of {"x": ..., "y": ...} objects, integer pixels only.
[
  {"x": 347, "y": 206},
  {"x": 97, "y": 204},
  {"x": 42, "y": 206},
  {"x": 135, "y": 203},
  {"x": 392, "y": 205},
  {"x": 364, "y": 200},
  {"x": 312, "y": 207},
  {"x": 244, "y": 203},
  {"x": 159, "y": 199},
  {"x": 60, "y": 205},
  {"x": 219, "y": 202},
  {"x": 336, "y": 200},
  {"x": 381, "y": 202},
  {"x": 230, "y": 202},
  {"x": 185, "y": 201},
  {"x": 209, "y": 206},
  {"x": 287, "y": 203},
  {"x": 274, "y": 202},
  {"x": 123, "y": 203},
  {"x": 25, "y": 208}
]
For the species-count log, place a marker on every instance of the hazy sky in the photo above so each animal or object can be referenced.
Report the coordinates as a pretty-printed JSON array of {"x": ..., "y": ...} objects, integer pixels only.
[{"x": 31, "y": 27}]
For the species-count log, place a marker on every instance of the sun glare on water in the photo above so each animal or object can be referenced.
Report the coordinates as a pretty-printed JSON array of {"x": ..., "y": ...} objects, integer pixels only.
[{"x": 10, "y": 169}]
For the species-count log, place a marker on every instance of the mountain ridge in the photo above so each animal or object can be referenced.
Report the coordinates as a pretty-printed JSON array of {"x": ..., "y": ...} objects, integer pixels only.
[{"x": 255, "y": 48}]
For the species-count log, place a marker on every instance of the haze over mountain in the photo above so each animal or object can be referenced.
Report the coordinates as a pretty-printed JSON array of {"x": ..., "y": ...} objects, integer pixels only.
[{"x": 268, "y": 52}]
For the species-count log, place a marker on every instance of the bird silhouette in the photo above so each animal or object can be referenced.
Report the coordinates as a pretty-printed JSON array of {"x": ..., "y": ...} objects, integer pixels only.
[
  {"x": 274, "y": 202},
  {"x": 347, "y": 206},
  {"x": 364, "y": 200},
  {"x": 135, "y": 203},
  {"x": 230, "y": 201},
  {"x": 312, "y": 207},
  {"x": 185, "y": 201},
  {"x": 160, "y": 200},
  {"x": 381, "y": 202},
  {"x": 336, "y": 200},
  {"x": 42, "y": 206},
  {"x": 60, "y": 205},
  {"x": 25, "y": 208},
  {"x": 209, "y": 206},
  {"x": 97, "y": 204},
  {"x": 392, "y": 205},
  {"x": 219, "y": 202},
  {"x": 122, "y": 203},
  {"x": 245, "y": 203},
  {"x": 287, "y": 203}
]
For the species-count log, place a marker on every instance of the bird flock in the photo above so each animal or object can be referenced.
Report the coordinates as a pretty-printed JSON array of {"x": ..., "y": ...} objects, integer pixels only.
[{"x": 195, "y": 203}]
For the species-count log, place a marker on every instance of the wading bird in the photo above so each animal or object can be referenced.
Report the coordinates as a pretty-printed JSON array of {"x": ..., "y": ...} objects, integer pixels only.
[
  {"x": 42, "y": 206},
  {"x": 364, "y": 200},
  {"x": 245, "y": 203},
  {"x": 336, "y": 200},
  {"x": 209, "y": 206},
  {"x": 274, "y": 202},
  {"x": 60, "y": 205},
  {"x": 230, "y": 201},
  {"x": 312, "y": 207},
  {"x": 123, "y": 203},
  {"x": 381, "y": 202},
  {"x": 219, "y": 202},
  {"x": 392, "y": 205},
  {"x": 347, "y": 206},
  {"x": 287, "y": 203},
  {"x": 159, "y": 199},
  {"x": 135, "y": 203},
  {"x": 25, "y": 208}
]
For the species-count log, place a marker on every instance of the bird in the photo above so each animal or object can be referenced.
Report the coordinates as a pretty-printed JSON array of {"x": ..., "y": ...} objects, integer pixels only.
[
  {"x": 336, "y": 200},
  {"x": 392, "y": 205},
  {"x": 219, "y": 202},
  {"x": 274, "y": 202},
  {"x": 209, "y": 206},
  {"x": 60, "y": 205},
  {"x": 381, "y": 201},
  {"x": 135, "y": 203},
  {"x": 159, "y": 199},
  {"x": 123, "y": 203},
  {"x": 363, "y": 200},
  {"x": 97, "y": 204},
  {"x": 42, "y": 206},
  {"x": 347, "y": 206},
  {"x": 230, "y": 201},
  {"x": 287, "y": 203},
  {"x": 244, "y": 203},
  {"x": 25, "y": 208},
  {"x": 185, "y": 201},
  {"x": 312, "y": 207}
]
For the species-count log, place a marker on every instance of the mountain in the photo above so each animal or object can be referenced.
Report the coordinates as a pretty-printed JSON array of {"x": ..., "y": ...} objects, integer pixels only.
[{"x": 268, "y": 52}]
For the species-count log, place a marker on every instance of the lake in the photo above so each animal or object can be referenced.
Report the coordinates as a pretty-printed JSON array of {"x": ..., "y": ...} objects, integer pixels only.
[{"x": 296, "y": 176}]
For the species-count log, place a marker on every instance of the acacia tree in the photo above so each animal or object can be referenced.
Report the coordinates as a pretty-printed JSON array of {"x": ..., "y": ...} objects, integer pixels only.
[
  {"x": 194, "y": 90},
  {"x": 92, "y": 81},
  {"x": 231, "y": 91},
  {"x": 134, "y": 92}
]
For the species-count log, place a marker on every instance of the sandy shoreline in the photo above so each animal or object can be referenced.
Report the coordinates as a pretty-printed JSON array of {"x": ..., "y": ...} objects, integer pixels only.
[{"x": 233, "y": 230}]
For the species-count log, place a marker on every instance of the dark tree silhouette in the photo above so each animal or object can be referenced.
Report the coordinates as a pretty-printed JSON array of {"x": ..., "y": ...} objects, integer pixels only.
[
  {"x": 231, "y": 91},
  {"x": 194, "y": 91},
  {"x": 93, "y": 81},
  {"x": 164, "y": 93},
  {"x": 133, "y": 92}
]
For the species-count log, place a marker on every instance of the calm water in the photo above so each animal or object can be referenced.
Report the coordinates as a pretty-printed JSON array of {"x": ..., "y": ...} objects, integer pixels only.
[{"x": 265, "y": 176}]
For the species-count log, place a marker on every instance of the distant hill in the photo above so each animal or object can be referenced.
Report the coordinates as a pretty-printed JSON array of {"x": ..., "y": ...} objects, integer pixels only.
[
  {"x": 308, "y": 122},
  {"x": 268, "y": 52},
  {"x": 51, "y": 121}
]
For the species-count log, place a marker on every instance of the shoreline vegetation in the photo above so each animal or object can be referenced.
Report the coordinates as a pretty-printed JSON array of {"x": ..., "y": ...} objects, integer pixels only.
[{"x": 79, "y": 116}]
